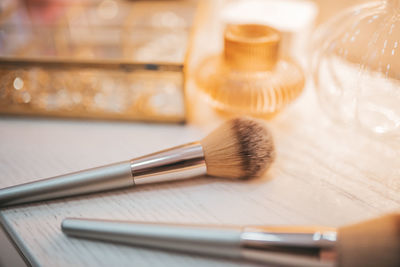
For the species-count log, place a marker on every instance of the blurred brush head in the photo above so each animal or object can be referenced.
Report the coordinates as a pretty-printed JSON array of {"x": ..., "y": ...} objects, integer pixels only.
[
  {"x": 371, "y": 243},
  {"x": 240, "y": 148}
]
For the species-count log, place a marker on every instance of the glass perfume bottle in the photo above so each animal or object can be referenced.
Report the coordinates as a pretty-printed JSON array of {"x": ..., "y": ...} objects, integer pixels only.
[
  {"x": 249, "y": 77},
  {"x": 356, "y": 67}
]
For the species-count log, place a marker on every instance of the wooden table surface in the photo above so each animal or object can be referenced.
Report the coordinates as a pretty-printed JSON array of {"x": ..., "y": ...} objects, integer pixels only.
[{"x": 324, "y": 174}]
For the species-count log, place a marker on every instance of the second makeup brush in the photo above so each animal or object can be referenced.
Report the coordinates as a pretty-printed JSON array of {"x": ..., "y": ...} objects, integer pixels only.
[
  {"x": 239, "y": 148},
  {"x": 367, "y": 244}
]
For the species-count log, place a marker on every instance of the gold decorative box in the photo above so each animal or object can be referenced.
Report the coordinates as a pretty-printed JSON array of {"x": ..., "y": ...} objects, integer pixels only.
[{"x": 105, "y": 59}]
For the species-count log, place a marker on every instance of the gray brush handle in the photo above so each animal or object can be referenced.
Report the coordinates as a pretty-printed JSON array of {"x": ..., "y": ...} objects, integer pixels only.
[
  {"x": 179, "y": 162},
  {"x": 286, "y": 246},
  {"x": 195, "y": 239},
  {"x": 113, "y": 176}
]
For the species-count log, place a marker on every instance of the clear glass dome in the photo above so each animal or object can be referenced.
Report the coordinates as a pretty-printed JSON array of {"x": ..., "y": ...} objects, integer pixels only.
[{"x": 356, "y": 67}]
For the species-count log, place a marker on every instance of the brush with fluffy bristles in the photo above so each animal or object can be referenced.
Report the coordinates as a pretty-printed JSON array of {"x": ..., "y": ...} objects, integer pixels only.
[{"x": 239, "y": 148}]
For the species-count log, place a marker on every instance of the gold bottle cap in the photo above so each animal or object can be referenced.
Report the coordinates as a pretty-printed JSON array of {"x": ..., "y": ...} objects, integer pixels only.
[{"x": 251, "y": 47}]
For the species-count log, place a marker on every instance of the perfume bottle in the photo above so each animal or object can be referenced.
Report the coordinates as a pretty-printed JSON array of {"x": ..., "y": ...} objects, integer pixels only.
[
  {"x": 249, "y": 77},
  {"x": 356, "y": 67}
]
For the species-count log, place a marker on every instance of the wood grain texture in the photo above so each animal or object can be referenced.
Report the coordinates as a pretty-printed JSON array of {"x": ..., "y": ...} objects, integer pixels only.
[{"x": 324, "y": 174}]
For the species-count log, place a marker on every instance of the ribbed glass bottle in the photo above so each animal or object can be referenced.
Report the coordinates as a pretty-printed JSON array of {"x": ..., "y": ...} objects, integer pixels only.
[{"x": 249, "y": 77}]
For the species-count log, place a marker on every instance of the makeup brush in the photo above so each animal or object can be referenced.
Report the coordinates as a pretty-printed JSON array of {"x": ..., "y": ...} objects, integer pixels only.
[
  {"x": 367, "y": 244},
  {"x": 240, "y": 148}
]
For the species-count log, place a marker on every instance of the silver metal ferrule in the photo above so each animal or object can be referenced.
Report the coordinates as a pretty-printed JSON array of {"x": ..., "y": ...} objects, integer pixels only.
[
  {"x": 172, "y": 164},
  {"x": 290, "y": 246}
]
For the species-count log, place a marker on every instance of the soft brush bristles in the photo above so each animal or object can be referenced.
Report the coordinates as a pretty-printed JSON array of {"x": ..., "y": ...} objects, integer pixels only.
[{"x": 239, "y": 148}]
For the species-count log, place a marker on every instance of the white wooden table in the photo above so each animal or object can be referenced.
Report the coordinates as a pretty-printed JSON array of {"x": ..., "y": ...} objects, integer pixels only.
[{"x": 324, "y": 174}]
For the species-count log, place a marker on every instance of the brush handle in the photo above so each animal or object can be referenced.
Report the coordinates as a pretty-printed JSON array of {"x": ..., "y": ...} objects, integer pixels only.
[
  {"x": 285, "y": 246},
  {"x": 113, "y": 176},
  {"x": 176, "y": 163},
  {"x": 371, "y": 243},
  {"x": 204, "y": 240}
]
